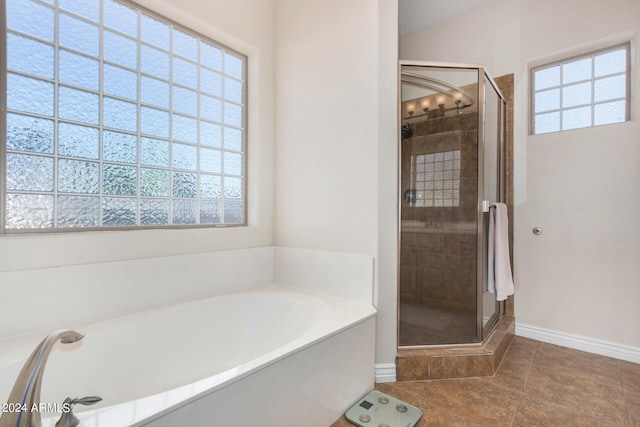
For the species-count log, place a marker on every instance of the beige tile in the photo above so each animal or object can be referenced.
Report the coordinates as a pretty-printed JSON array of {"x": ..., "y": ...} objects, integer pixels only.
[
  {"x": 413, "y": 368},
  {"x": 479, "y": 400},
  {"x": 537, "y": 413},
  {"x": 523, "y": 349},
  {"x": 435, "y": 416},
  {"x": 573, "y": 388},
  {"x": 578, "y": 362},
  {"x": 629, "y": 375},
  {"x": 412, "y": 353},
  {"x": 342, "y": 422},
  {"x": 447, "y": 367},
  {"x": 479, "y": 366},
  {"x": 512, "y": 373},
  {"x": 413, "y": 392},
  {"x": 500, "y": 351},
  {"x": 417, "y": 394},
  {"x": 516, "y": 363},
  {"x": 633, "y": 406},
  {"x": 409, "y": 391}
]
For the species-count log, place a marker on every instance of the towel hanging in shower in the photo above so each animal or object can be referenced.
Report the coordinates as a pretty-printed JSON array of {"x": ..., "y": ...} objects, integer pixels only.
[{"x": 500, "y": 280}]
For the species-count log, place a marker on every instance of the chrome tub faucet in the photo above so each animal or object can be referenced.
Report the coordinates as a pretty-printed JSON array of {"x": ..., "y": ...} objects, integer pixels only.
[{"x": 26, "y": 390}]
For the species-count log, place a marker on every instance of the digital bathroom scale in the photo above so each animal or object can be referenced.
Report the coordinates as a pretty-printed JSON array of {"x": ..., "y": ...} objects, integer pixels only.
[{"x": 377, "y": 409}]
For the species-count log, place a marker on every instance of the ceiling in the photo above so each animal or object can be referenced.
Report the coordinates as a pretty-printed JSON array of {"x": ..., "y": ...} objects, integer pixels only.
[{"x": 415, "y": 15}]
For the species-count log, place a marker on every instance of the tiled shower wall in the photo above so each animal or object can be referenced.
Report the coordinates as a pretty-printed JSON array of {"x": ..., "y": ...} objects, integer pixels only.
[
  {"x": 438, "y": 264},
  {"x": 438, "y": 268},
  {"x": 438, "y": 135}
]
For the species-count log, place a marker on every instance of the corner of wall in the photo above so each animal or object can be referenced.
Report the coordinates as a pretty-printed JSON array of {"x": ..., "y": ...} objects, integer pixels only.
[{"x": 343, "y": 275}]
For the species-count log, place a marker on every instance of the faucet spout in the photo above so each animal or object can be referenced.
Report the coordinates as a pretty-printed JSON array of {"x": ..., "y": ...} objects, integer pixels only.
[{"x": 26, "y": 390}]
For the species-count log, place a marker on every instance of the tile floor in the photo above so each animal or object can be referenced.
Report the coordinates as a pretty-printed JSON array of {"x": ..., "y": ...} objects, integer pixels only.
[{"x": 537, "y": 384}]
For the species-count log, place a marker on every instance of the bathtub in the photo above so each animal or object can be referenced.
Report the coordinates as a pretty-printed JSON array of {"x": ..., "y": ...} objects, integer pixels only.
[{"x": 271, "y": 355}]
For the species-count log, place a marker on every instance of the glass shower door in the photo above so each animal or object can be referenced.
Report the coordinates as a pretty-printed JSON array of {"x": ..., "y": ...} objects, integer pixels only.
[
  {"x": 452, "y": 119},
  {"x": 439, "y": 206}
]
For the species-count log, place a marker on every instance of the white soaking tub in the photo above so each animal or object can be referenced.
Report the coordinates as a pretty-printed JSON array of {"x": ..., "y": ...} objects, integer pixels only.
[{"x": 272, "y": 355}]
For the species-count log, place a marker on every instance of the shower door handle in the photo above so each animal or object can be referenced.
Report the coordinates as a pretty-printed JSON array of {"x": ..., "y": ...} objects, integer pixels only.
[{"x": 486, "y": 205}]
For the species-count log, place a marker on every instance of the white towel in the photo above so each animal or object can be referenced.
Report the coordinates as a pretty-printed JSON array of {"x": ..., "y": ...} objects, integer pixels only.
[{"x": 499, "y": 271}]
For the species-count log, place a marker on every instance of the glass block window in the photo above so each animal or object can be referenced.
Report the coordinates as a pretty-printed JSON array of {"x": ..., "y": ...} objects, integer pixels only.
[
  {"x": 437, "y": 179},
  {"x": 117, "y": 117},
  {"x": 589, "y": 90}
]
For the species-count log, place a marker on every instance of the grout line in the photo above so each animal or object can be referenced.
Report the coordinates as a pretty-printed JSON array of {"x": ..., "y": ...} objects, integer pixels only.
[
  {"x": 524, "y": 384},
  {"x": 506, "y": 351},
  {"x": 526, "y": 379},
  {"x": 624, "y": 393},
  {"x": 520, "y": 405}
]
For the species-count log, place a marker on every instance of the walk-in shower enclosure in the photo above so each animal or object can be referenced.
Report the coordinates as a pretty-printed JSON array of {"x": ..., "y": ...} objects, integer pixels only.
[{"x": 451, "y": 169}]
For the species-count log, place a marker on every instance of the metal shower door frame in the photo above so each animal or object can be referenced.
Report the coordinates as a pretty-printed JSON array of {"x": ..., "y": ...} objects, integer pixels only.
[{"x": 483, "y": 79}]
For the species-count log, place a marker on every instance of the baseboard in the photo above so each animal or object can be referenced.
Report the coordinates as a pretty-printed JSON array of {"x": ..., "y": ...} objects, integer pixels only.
[
  {"x": 604, "y": 348},
  {"x": 385, "y": 372}
]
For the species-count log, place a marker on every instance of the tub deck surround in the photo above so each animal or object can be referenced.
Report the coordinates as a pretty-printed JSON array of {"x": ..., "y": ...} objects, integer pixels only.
[
  {"x": 32, "y": 299},
  {"x": 151, "y": 363},
  {"x": 48, "y": 298},
  {"x": 347, "y": 276}
]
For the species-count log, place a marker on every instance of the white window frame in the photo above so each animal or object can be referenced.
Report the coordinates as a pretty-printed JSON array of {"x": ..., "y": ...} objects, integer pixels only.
[
  {"x": 561, "y": 86},
  {"x": 171, "y": 168}
]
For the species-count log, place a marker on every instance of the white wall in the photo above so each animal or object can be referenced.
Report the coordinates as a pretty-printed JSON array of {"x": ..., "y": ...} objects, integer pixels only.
[
  {"x": 246, "y": 26},
  {"x": 580, "y": 277},
  {"x": 326, "y": 130},
  {"x": 335, "y": 120}
]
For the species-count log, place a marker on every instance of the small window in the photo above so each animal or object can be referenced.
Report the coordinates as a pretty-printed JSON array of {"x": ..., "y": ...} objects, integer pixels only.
[
  {"x": 589, "y": 90},
  {"x": 117, "y": 117},
  {"x": 437, "y": 179}
]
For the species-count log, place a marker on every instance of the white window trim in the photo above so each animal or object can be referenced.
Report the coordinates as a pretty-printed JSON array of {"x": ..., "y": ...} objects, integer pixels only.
[
  {"x": 244, "y": 151},
  {"x": 601, "y": 47}
]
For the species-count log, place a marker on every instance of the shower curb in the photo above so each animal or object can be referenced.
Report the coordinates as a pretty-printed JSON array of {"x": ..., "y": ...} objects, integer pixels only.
[{"x": 457, "y": 361}]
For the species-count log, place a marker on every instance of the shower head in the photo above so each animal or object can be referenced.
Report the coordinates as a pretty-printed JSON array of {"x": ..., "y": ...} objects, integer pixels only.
[{"x": 407, "y": 132}]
